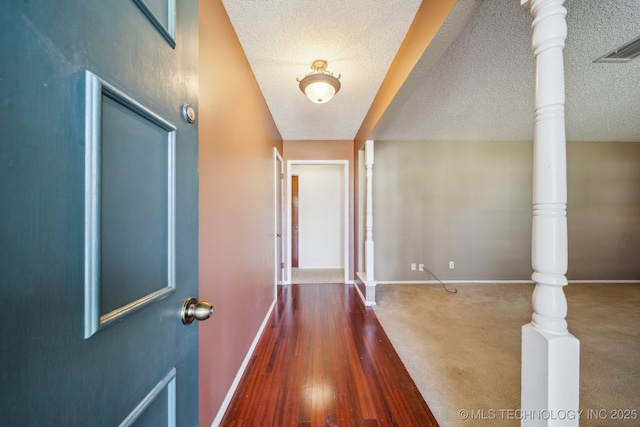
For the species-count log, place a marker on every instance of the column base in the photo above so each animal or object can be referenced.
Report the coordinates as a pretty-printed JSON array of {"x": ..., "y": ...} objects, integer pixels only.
[
  {"x": 369, "y": 294},
  {"x": 550, "y": 379}
]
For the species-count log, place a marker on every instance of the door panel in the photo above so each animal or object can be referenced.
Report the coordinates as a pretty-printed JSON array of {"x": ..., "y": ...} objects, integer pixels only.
[
  {"x": 158, "y": 408},
  {"x": 130, "y": 203},
  {"x": 161, "y": 14},
  {"x": 98, "y": 220}
]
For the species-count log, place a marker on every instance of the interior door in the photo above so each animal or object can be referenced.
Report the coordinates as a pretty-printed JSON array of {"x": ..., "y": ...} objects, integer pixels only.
[
  {"x": 98, "y": 220},
  {"x": 294, "y": 221}
]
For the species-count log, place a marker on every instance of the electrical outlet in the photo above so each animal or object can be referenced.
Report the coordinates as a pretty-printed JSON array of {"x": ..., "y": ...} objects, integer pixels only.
[
  {"x": 451, "y": 265},
  {"x": 413, "y": 266},
  {"x": 421, "y": 267}
]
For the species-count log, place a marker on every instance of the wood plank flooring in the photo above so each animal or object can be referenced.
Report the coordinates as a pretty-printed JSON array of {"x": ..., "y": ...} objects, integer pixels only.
[{"x": 324, "y": 360}]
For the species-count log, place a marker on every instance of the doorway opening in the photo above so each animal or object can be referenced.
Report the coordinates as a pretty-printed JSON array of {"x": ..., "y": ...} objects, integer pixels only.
[{"x": 323, "y": 215}]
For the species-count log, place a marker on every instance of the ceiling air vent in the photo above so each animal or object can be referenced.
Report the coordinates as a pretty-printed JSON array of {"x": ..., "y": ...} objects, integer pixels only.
[{"x": 624, "y": 53}]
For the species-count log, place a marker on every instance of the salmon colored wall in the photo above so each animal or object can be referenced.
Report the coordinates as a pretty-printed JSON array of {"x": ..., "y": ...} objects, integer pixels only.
[
  {"x": 327, "y": 150},
  {"x": 236, "y": 213}
]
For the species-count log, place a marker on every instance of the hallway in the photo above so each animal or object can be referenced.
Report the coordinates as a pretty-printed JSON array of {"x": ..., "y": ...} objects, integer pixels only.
[{"x": 325, "y": 360}]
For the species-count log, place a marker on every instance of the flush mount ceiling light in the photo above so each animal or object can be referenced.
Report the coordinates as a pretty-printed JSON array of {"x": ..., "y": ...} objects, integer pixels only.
[{"x": 319, "y": 85}]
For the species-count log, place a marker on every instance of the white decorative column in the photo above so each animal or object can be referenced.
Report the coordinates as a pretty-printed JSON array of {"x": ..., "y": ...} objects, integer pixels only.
[
  {"x": 370, "y": 282},
  {"x": 367, "y": 277},
  {"x": 550, "y": 354}
]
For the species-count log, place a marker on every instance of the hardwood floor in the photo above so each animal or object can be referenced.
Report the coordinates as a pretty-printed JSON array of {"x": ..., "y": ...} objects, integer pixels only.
[{"x": 324, "y": 360}]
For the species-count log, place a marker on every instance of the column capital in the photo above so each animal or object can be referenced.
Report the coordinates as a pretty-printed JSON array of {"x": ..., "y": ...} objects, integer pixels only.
[
  {"x": 549, "y": 25},
  {"x": 527, "y": 3},
  {"x": 368, "y": 152}
]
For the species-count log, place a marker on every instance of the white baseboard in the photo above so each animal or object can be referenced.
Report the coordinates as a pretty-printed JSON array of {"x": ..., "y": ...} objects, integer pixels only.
[
  {"x": 225, "y": 404},
  {"x": 370, "y": 286},
  {"x": 364, "y": 300},
  {"x": 435, "y": 282},
  {"x": 348, "y": 282},
  {"x": 481, "y": 282},
  {"x": 604, "y": 281}
]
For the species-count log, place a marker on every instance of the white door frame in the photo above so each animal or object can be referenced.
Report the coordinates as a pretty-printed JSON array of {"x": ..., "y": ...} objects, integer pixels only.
[
  {"x": 345, "y": 237},
  {"x": 278, "y": 184}
]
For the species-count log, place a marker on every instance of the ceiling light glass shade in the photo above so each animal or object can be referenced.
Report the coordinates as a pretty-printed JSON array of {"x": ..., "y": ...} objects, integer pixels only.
[{"x": 319, "y": 85}]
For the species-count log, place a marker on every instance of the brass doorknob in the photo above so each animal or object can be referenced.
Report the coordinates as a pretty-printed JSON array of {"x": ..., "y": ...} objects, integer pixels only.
[{"x": 194, "y": 310}]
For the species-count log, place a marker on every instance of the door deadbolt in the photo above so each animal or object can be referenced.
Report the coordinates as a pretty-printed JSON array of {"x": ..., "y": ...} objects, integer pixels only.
[
  {"x": 188, "y": 113},
  {"x": 194, "y": 310}
]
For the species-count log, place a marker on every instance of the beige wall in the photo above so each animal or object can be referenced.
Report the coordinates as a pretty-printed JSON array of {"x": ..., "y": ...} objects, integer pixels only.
[
  {"x": 604, "y": 210},
  {"x": 327, "y": 150},
  {"x": 236, "y": 214},
  {"x": 470, "y": 202}
]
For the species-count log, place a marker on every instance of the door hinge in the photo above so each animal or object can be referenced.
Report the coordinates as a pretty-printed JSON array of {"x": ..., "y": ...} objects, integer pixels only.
[
  {"x": 282, "y": 265},
  {"x": 281, "y": 175}
]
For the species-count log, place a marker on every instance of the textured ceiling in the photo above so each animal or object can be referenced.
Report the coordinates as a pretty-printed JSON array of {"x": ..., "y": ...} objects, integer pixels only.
[
  {"x": 358, "y": 38},
  {"x": 475, "y": 81}
]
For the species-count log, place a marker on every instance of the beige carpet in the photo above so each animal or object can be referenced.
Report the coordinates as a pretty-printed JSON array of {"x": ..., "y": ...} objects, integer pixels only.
[
  {"x": 317, "y": 275},
  {"x": 463, "y": 350}
]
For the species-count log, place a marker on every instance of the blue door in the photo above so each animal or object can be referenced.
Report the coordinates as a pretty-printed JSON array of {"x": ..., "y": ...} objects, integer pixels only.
[{"x": 98, "y": 212}]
